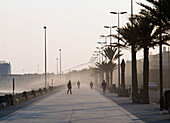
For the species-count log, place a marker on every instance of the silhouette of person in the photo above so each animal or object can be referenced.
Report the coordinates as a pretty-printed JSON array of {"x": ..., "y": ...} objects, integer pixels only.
[
  {"x": 104, "y": 86},
  {"x": 91, "y": 85},
  {"x": 69, "y": 87},
  {"x": 78, "y": 84}
]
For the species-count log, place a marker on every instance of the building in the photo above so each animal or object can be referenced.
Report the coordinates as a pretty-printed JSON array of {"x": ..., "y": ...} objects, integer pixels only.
[
  {"x": 154, "y": 60},
  {"x": 128, "y": 70},
  {"x": 5, "y": 68},
  {"x": 153, "y": 69}
]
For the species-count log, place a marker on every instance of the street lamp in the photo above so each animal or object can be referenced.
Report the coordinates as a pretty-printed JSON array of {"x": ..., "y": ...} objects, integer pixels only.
[
  {"x": 160, "y": 55},
  {"x": 99, "y": 52},
  {"x": 131, "y": 8},
  {"x": 38, "y": 68},
  {"x": 104, "y": 37},
  {"x": 110, "y": 27},
  {"x": 45, "y": 57},
  {"x": 57, "y": 65},
  {"x": 102, "y": 47},
  {"x": 118, "y": 13},
  {"x": 60, "y": 64},
  {"x": 96, "y": 55},
  {"x": 168, "y": 66}
]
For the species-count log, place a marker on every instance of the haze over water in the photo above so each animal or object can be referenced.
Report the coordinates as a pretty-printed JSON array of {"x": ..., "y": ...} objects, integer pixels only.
[{"x": 74, "y": 26}]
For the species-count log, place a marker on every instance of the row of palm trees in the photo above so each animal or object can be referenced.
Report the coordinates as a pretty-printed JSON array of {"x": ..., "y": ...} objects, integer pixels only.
[
  {"x": 112, "y": 55},
  {"x": 142, "y": 32}
]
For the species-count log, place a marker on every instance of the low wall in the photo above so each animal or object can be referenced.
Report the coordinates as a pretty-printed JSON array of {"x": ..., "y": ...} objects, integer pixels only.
[{"x": 8, "y": 100}]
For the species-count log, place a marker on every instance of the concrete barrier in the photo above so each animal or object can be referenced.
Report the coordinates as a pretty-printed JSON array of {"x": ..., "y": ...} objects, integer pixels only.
[{"x": 7, "y": 100}]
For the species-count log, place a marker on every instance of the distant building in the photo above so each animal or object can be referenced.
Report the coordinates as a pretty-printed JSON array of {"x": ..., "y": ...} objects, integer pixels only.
[
  {"x": 154, "y": 60},
  {"x": 128, "y": 69},
  {"x": 5, "y": 68},
  {"x": 153, "y": 69}
]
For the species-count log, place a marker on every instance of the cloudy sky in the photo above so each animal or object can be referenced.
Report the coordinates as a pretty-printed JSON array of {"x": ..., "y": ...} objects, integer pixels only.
[{"x": 72, "y": 25}]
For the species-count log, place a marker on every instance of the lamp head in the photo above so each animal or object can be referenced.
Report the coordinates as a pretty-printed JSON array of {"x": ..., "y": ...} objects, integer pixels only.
[
  {"x": 106, "y": 27},
  {"x": 113, "y": 12},
  {"x": 102, "y": 36},
  {"x": 114, "y": 26},
  {"x": 123, "y": 12}
]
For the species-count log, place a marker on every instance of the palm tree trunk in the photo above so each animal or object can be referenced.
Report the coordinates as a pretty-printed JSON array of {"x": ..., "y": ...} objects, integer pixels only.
[
  {"x": 107, "y": 79},
  {"x": 111, "y": 77},
  {"x": 146, "y": 76},
  {"x": 134, "y": 76}
]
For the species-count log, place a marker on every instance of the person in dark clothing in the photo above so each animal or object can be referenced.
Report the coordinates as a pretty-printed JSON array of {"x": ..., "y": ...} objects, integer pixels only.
[
  {"x": 104, "y": 86},
  {"x": 91, "y": 85},
  {"x": 78, "y": 84},
  {"x": 69, "y": 87}
]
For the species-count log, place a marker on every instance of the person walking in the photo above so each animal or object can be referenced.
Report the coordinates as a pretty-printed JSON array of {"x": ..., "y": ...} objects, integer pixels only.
[
  {"x": 69, "y": 87},
  {"x": 91, "y": 85},
  {"x": 104, "y": 86},
  {"x": 78, "y": 84}
]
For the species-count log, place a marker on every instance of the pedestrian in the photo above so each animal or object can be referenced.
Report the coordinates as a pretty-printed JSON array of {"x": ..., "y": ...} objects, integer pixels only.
[
  {"x": 104, "y": 86},
  {"x": 78, "y": 84},
  {"x": 91, "y": 85},
  {"x": 69, "y": 87}
]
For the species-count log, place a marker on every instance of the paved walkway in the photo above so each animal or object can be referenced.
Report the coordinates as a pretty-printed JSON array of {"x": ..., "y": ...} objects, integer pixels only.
[
  {"x": 83, "y": 106},
  {"x": 149, "y": 113}
]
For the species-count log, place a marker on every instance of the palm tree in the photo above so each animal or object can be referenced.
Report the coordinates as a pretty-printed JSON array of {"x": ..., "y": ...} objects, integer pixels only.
[
  {"x": 158, "y": 15},
  {"x": 104, "y": 67},
  {"x": 112, "y": 54},
  {"x": 129, "y": 39},
  {"x": 95, "y": 72},
  {"x": 148, "y": 36},
  {"x": 153, "y": 13}
]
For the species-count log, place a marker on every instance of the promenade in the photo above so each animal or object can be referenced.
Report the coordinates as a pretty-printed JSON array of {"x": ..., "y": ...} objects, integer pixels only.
[{"x": 83, "y": 106}]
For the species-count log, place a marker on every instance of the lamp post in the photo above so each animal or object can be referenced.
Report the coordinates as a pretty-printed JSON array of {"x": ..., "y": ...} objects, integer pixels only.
[
  {"x": 160, "y": 55},
  {"x": 99, "y": 52},
  {"x": 38, "y": 68},
  {"x": 102, "y": 47},
  {"x": 168, "y": 66},
  {"x": 45, "y": 57},
  {"x": 131, "y": 8},
  {"x": 60, "y": 64},
  {"x": 98, "y": 58},
  {"x": 110, "y": 27},
  {"x": 57, "y": 65},
  {"x": 104, "y": 37},
  {"x": 93, "y": 58},
  {"x": 118, "y": 13}
]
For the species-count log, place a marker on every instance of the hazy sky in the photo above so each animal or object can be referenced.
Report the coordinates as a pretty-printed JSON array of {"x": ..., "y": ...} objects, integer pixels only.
[{"x": 72, "y": 25}]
